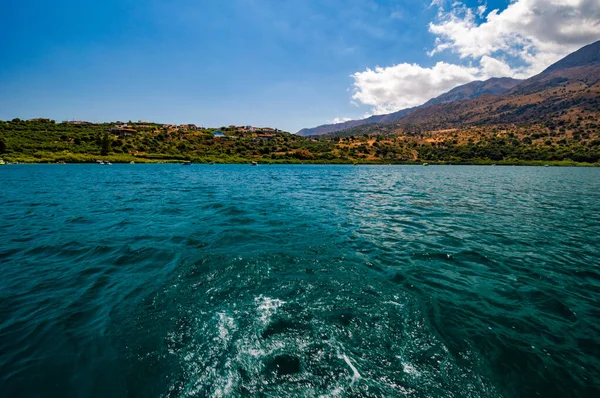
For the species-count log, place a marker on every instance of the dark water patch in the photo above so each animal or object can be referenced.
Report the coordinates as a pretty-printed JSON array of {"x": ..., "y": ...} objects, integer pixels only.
[
  {"x": 79, "y": 220},
  {"x": 283, "y": 365},
  {"x": 9, "y": 252},
  {"x": 125, "y": 209},
  {"x": 171, "y": 211}
]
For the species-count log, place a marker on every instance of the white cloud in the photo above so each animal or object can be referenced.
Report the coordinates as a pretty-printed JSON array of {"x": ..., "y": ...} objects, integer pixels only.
[
  {"x": 407, "y": 85},
  {"x": 481, "y": 11},
  {"x": 438, "y": 3},
  {"x": 534, "y": 32},
  {"x": 338, "y": 120},
  {"x": 519, "y": 41},
  {"x": 493, "y": 67}
]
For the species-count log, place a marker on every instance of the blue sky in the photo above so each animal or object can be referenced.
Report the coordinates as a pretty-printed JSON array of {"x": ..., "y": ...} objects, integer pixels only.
[{"x": 286, "y": 64}]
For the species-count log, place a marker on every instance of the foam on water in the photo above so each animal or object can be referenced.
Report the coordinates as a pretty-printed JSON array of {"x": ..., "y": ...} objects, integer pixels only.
[
  {"x": 267, "y": 307},
  {"x": 355, "y": 374}
]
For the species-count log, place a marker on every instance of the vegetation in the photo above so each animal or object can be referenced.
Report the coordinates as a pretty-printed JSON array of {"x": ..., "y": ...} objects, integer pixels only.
[{"x": 42, "y": 141}]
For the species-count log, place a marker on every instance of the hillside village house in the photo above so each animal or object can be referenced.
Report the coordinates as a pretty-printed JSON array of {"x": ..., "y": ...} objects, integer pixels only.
[
  {"x": 122, "y": 131},
  {"x": 185, "y": 127},
  {"x": 219, "y": 134},
  {"x": 78, "y": 122}
]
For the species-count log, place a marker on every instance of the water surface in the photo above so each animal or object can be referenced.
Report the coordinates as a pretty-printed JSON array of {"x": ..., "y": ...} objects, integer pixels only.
[{"x": 163, "y": 280}]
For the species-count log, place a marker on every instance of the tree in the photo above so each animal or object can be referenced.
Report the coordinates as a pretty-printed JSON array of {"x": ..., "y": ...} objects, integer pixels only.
[
  {"x": 2, "y": 146},
  {"x": 105, "y": 146}
]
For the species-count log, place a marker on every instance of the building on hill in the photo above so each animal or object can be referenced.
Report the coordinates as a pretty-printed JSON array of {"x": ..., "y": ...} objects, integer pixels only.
[
  {"x": 268, "y": 130},
  {"x": 218, "y": 134},
  {"x": 79, "y": 122},
  {"x": 122, "y": 131}
]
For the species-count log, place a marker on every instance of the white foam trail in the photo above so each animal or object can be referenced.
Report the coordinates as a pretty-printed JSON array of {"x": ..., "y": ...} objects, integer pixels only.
[
  {"x": 355, "y": 374},
  {"x": 226, "y": 326},
  {"x": 337, "y": 392},
  {"x": 394, "y": 303},
  {"x": 409, "y": 368},
  {"x": 267, "y": 307}
]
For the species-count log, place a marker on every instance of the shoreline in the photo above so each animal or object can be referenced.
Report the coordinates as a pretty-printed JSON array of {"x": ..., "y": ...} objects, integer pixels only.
[{"x": 530, "y": 163}]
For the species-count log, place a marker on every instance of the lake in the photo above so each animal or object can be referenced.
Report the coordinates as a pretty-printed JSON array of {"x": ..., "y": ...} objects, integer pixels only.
[{"x": 231, "y": 280}]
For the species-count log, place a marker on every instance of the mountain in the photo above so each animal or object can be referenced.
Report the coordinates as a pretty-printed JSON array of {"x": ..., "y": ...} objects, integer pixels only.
[
  {"x": 580, "y": 65},
  {"x": 566, "y": 93},
  {"x": 332, "y": 128},
  {"x": 587, "y": 55},
  {"x": 493, "y": 86}
]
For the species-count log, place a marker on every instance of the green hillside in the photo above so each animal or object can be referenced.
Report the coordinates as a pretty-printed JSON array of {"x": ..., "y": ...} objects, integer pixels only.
[{"x": 43, "y": 141}]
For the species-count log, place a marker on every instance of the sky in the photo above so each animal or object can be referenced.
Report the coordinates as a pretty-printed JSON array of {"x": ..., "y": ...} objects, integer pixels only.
[{"x": 285, "y": 64}]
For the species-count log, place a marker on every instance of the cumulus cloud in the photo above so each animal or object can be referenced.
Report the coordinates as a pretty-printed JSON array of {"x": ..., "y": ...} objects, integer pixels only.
[
  {"x": 519, "y": 41},
  {"x": 407, "y": 85}
]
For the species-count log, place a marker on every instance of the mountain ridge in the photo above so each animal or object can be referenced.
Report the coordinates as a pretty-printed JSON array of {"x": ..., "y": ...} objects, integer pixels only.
[
  {"x": 494, "y": 85},
  {"x": 586, "y": 55}
]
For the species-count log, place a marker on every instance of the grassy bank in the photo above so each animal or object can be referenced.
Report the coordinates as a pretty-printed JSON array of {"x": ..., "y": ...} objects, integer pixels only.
[{"x": 79, "y": 158}]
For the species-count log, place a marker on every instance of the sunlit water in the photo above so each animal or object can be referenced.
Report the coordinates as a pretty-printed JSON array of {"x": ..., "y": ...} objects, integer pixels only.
[{"x": 168, "y": 281}]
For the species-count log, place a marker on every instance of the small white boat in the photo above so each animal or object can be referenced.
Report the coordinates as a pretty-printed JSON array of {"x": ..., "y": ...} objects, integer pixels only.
[
  {"x": 108, "y": 163},
  {"x": 425, "y": 164},
  {"x": 187, "y": 163},
  {"x": 2, "y": 162},
  {"x": 254, "y": 163}
]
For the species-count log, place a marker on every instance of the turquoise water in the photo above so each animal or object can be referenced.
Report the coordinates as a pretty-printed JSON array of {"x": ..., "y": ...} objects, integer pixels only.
[{"x": 163, "y": 280}]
